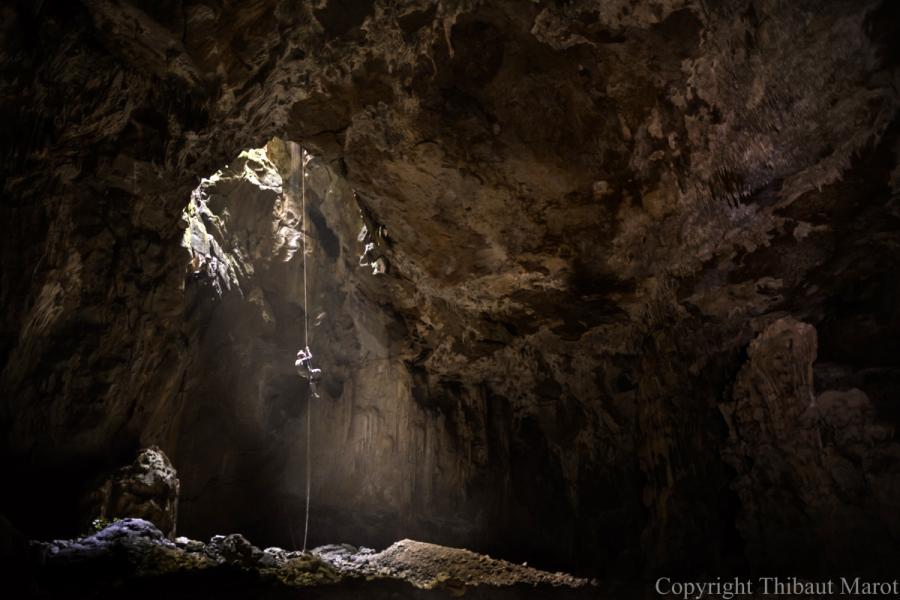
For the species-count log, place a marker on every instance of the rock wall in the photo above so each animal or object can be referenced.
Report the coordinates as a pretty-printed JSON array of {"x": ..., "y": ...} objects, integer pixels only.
[
  {"x": 395, "y": 452},
  {"x": 812, "y": 469},
  {"x": 382, "y": 464},
  {"x": 585, "y": 214}
]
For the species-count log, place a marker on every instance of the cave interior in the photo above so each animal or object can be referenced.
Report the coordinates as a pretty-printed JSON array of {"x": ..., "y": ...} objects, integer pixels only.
[{"x": 611, "y": 289}]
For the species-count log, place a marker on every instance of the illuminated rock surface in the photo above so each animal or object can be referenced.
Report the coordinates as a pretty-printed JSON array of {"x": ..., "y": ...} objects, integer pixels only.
[{"x": 132, "y": 557}]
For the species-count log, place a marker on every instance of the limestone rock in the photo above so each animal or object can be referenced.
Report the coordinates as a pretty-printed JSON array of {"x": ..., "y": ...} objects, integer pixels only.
[
  {"x": 132, "y": 556},
  {"x": 806, "y": 464},
  {"x": 122, "y": 537},
  {"x": 233, "y": 548},
  {"x": 147, "y": 489},
  {"x": 585, "y": 214}
]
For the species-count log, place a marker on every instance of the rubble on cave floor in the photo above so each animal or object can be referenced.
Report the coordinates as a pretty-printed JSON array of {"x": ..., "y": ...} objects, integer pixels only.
[
  {"x": 131, "y": 558},
  {"x": 425, "y": 565}
]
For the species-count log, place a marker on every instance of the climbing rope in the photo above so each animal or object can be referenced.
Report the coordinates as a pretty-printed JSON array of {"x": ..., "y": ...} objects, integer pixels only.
[{"x": 303, "y": 233}]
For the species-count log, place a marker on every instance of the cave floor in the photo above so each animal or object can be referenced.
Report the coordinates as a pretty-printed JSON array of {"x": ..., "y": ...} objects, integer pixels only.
[{"x": 132, "y": 559}]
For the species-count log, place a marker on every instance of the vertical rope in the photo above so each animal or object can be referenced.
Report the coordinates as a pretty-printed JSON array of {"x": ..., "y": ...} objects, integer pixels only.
[{"x": 303, "y": 234}]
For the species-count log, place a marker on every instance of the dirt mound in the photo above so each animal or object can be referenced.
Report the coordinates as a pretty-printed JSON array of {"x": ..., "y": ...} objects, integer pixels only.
[{"x": 426, "y": 565}]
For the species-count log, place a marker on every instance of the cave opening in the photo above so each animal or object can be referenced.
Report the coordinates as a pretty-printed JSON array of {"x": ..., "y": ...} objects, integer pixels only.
[{"x": 261, "y": 257}]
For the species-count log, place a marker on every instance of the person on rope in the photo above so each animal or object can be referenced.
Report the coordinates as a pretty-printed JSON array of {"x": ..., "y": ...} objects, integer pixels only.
[
  {"x": 371, "y": 258},
  {"x": 306, "y": 370}
]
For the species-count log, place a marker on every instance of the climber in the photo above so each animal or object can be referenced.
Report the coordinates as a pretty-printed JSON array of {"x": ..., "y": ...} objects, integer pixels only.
[
  {"x": 368, "y": 255},
  {"x": 306, "y": 370},
  {"x": 371, "y": 257}
]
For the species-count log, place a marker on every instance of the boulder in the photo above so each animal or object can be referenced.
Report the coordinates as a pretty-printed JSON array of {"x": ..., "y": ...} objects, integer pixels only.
[{"x": 147, "y": 489}]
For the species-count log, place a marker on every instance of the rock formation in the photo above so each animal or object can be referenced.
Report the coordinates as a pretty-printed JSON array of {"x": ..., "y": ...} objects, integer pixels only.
[
  {"x": 810, "y": 468},
  {"x": 598, "y": 224},
  {"x": 146, "y": 489},
  {"x": 150, "y": 566}
]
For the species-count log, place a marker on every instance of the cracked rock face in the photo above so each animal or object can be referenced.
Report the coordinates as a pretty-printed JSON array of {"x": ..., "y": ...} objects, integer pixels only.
[{"x": 636, "y": 308}]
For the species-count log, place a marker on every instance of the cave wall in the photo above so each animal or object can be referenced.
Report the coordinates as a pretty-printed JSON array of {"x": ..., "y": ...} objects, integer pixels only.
[
  {"x": 588, "y": 214},
  {"x": 382, "y": 463},
  {"x": 811, "y": 468}
]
